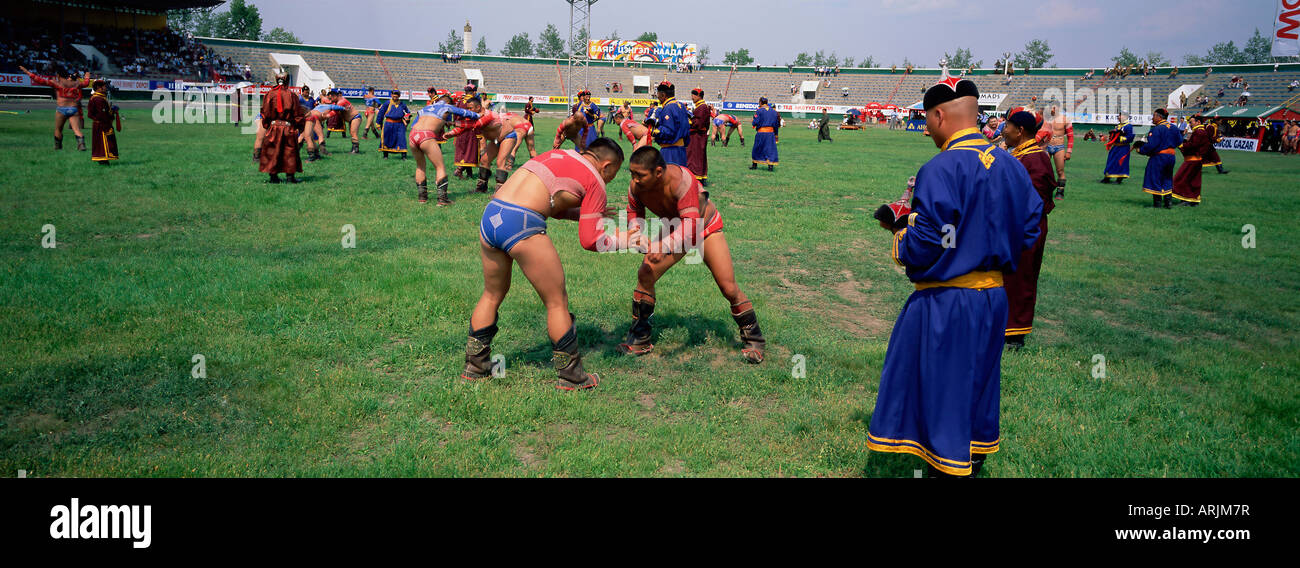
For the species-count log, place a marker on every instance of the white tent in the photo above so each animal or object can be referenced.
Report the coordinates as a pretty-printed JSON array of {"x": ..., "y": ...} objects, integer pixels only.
[
  {"x": 809, "y": 89},
  {"x": 475, "y": 77},
  {"x": 1175, "y": 98}
]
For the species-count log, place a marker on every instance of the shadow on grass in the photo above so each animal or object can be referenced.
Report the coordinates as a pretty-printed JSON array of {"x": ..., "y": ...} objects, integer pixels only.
[{"x": 594, "y": 340}]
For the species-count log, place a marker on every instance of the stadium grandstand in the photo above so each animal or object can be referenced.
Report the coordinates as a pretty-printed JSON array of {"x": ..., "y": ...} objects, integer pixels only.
[
  {"x": 129, "y": 42},
  {"x": 535, "y": 76},
  {"x": 126, "y": 39}
]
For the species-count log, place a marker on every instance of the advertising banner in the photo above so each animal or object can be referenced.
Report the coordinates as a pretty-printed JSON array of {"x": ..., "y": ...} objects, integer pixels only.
[
  {"x": 1286, "y": 29},
  {"x": 1242, "y": 144},
  {"x": 15, "y": 80},
  {"x": 647, "y": 51}
]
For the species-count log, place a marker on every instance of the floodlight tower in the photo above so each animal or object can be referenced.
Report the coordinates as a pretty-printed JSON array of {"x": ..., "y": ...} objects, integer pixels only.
[{"x": 579, "y": 23}]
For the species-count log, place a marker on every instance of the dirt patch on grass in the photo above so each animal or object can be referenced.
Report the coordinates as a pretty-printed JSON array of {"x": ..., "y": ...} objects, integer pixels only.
[
  {"x": 672, "y": 467},
  {"x": 35, "y": 422},
  {"x": 647, "y": 401},
  {"x": 528, "y": 457},
  {"x": 853, "y": 313}
]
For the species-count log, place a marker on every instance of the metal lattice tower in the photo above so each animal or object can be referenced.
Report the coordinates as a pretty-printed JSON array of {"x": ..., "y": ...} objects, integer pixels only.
[{"x": 579, "y": 23}]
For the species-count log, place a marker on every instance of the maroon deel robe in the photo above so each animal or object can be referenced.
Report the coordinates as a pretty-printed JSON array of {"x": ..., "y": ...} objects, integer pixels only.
[
  {"x": 697, "y": 157},
  {"x": 1187, "y": 182},
  {"x": 283, "y": 117},
  {"x": 103, "y": 146},
  {"x": 1022, "y": 285}
]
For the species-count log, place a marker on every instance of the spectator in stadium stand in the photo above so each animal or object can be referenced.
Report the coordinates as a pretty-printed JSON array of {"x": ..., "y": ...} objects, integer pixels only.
[{"x": 1293, "y": 85}]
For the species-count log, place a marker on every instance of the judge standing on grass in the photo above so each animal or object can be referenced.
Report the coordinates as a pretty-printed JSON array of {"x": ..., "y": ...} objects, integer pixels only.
[{"x": 973, "y": 212}]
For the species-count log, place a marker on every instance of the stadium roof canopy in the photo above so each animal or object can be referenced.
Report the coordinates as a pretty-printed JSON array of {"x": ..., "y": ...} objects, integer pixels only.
[{"x": 1256, "y": 111}]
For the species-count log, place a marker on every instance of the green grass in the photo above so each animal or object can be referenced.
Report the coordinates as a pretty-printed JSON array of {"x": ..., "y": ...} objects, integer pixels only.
[{"x": 324, "y": 361}]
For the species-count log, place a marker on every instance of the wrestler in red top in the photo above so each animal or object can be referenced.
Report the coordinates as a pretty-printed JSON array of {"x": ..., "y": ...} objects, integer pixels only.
[
  {"x": 571, "y": 129},
  {"x": 560, "y": 184},
  {"x": 501, "y": 133},
  {"x": 67, "y": 101},
  {"x": 673, "y": 194}
]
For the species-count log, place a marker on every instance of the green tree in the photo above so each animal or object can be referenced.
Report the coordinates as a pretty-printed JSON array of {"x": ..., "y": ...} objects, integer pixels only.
[
  {"x": 962, "y": 59},
  {"x": 242, "y": 21},
  {"x": 648, "y": 36},
  {"x": 453, "y": 43},
  {"x": 549, "y": 43},
  {"x": 482, "y": 48},
  {"x": 191, "y": 19},
  {"x": 518, "y": 46},
  {"x": 1125, "y": 58},
  {"x": 1258, "y": 49},
  {"x": 849, "y": 62},
  {"x": 740, "y": 57},
  {"x": 1224, "y": 53},
  {"x": 1157, "y": 59},
  {"x": 1036, "y": 54},
  {"x": 867, "y": 62},
  {"x": 803, "y": 59},
  {"x": 613, "y": 36},
  {"x": 579, "y": 45},
  {"x": 280, "y": 35},
  {"x": 703, "y": 54}
]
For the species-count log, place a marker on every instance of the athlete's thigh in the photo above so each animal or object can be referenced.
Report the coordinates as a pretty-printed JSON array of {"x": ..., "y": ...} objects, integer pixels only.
[
  {"x": 540, "y": 263},
  {"x": 506, "y": 147},
  {"x": 717, "y": 256},
  {"x": 496, "y": 268}
]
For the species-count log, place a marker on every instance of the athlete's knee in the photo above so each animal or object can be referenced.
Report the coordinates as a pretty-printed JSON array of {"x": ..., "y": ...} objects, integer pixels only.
[
  {"x": 730, "y": 290},
  {"x": 645, "y": 274}
]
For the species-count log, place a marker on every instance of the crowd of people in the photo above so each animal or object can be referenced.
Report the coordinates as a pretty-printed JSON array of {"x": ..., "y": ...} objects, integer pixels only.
[
  {"x": 163, "y": 53},
  {"x": 42, "y": 48}
]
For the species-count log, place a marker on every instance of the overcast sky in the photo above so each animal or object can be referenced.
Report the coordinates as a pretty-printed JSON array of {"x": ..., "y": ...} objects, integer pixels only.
[{"x": 1081, "y": 33}]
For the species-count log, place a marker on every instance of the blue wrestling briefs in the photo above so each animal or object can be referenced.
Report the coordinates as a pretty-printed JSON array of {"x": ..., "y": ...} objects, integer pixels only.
[
  {"x": 68, "y": 111},
  {"x": 505, "y": 224}
]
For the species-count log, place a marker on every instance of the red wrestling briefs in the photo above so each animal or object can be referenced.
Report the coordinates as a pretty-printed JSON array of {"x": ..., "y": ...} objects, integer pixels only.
[
  {"x": 421, "y": 136},
  {"x": 626, "y": 127}
]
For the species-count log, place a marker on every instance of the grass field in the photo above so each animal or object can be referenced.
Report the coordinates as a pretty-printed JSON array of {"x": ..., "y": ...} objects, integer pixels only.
[{"x": 326, "y": 361}]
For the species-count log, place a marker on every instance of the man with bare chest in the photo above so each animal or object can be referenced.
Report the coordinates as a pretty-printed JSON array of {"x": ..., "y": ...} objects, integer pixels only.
[{"x": 1057, "y": 138}]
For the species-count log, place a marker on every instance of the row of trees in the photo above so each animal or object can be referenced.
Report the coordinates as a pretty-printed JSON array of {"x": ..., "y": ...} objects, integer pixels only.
[
  {"x": 1258, "y": 49},
  {"x": 241, "y": 21},
  {"x": 549, "y": 43}
]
